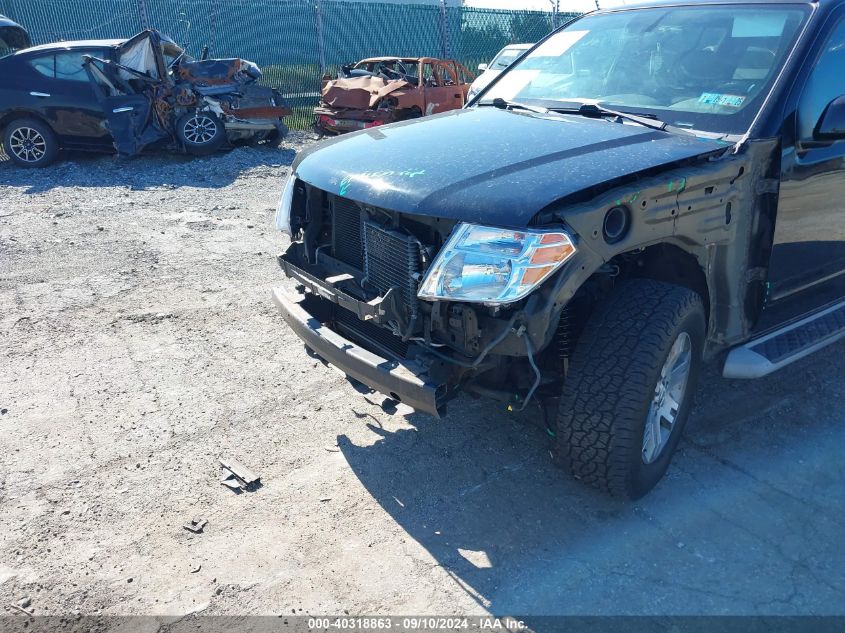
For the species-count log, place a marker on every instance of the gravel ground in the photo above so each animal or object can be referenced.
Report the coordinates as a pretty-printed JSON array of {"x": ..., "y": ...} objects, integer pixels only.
[{"x": 139, "y": 344}]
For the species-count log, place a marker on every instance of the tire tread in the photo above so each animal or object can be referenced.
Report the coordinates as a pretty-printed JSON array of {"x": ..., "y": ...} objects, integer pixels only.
[{"x": 611, "y": 372}]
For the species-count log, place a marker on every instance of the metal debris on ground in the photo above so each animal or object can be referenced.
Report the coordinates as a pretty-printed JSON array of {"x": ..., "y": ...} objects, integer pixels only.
[
  {"x": 196, "y": 525},
  {"x": 18, "y": 607},
  {"x": 237, "y": 476}
]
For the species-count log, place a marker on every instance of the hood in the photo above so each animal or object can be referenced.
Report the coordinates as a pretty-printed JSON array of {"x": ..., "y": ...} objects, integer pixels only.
[
  {"x": 211, "y": 73},
  {"x": 359, "y": 93},
  {"x": 487, "y": 165}
]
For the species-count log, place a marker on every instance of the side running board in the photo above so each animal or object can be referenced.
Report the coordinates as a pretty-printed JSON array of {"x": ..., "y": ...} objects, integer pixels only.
[{"x": 762, "y": 356}]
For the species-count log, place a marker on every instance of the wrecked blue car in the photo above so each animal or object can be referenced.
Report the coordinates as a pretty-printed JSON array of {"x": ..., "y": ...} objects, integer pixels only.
[{"x": 129, "y": 95}]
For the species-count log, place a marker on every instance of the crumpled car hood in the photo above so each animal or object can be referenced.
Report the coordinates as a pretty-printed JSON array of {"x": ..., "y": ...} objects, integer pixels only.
[
  {"x": 488, "y": 165},
  {"x": 359, "y": 93},
  {"x": 219, "y": 73}
]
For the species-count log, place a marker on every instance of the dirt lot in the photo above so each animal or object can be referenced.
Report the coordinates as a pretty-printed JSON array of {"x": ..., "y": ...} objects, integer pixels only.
[{"x": 139, "y": 344}]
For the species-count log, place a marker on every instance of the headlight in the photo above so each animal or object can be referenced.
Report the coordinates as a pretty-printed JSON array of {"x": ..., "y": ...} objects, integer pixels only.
[
  {"x": 490, "y": 265},
  {"x": 285, "y": 203}
]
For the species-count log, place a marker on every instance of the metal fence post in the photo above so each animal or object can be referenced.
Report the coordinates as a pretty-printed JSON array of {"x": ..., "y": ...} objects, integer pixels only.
[
  {"x": 212, "y": 25},
  {"x": 444, "y": 30},
  {"x": 321, "y": 46},
  {"x": 143, "y": 15}
]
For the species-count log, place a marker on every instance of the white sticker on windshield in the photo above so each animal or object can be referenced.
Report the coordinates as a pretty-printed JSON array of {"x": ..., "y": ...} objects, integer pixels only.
[
  {"x": 559, "y": 44},
  {"x": 759, "y": 25},
  {"x": 730, "y": 101}
]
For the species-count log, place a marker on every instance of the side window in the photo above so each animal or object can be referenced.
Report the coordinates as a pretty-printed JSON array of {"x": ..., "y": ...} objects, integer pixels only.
[
  {"x": 826, "y": 83},
  {"x": 430, "y": 75},
  {"x": 44, "y": 65},
  {"x": 464, "y": 75},
  {"x": 69, "y": 65},
  {"x": 448, "y": 75}
]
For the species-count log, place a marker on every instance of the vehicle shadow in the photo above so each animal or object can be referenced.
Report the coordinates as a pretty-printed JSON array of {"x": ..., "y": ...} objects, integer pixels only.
[
  {"x": 150, "y": 170},
  {"x": 480, "y": 492}
]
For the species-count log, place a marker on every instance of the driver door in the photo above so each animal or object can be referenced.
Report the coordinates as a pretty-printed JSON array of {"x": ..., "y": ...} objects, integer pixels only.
[
  {"x": 54, "y": 85},
  {"x": 809, "y": 244},
  {"x": 439, "y": 95},
  {"x": 460, "y": 79},
  {"x": 128, "y": 111}
]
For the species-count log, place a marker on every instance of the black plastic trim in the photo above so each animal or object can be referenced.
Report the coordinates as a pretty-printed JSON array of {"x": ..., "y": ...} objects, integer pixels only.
[{"x": 405, "y": 381}]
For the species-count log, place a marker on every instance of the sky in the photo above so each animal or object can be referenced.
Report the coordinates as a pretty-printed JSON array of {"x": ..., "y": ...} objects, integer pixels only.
[{"x": 565, "y": 5}]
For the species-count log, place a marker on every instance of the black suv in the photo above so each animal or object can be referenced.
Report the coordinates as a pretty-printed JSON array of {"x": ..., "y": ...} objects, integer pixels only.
[{"x": 648, "y": 188}]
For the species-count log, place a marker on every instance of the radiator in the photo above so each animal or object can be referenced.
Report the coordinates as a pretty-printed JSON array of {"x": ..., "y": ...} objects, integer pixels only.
[
  {"x": 347, "y": 240},
  {"x": 392, "y": 260}
]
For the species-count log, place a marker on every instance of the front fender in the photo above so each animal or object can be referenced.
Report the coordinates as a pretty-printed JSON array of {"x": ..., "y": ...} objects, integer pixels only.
[{"x": 710, "y": 210}]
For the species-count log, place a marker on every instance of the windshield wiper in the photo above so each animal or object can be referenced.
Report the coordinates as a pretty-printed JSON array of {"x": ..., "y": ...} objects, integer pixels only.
[
  {"x": 649, "y": 121},
  {"x": 504, "y": 104}
]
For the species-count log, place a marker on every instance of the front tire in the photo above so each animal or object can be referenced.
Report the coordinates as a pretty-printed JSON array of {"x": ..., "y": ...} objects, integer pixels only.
[
  {"x": 275, "y": 138},
  {"x": 412, "y": 113},
  {"x": 201, "y": 133},
  {"x": 630, "y": 387},
  {"x": 30, "y": 143}
]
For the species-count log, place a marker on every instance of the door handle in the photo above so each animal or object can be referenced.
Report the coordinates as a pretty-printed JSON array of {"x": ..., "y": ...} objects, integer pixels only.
[
  {"x": 121, "y": 110},
  {"x": 42, "y": 95}
]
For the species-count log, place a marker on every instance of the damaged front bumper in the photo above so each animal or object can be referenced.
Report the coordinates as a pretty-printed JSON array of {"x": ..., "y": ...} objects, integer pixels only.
[
  {"x": 239, "y": 125},
  {"x": 405, "y": 381},
  {"x": 340, "y": 122}
]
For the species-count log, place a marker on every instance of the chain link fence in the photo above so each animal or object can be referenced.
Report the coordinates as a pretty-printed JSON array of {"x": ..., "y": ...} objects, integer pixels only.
[{"x": 294, "y": 41}]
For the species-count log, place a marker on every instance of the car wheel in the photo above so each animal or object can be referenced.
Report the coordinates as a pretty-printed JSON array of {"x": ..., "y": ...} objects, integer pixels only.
[
  {"x": 275, "y": 138},
  {"x": 630, "y": 386},
  {"x": 30, "y": 143},
  {"x": 412, "y": 113},
  {"x": 201, "y": 132}
]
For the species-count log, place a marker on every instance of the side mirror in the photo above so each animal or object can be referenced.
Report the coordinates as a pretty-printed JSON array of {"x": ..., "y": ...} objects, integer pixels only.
[
  {"x": 831, "y": 125},
  {"x": 482, "y": 67}
]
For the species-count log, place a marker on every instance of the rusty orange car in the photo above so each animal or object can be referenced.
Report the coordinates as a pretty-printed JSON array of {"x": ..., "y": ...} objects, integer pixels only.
[{"x": 382, "y": 90}]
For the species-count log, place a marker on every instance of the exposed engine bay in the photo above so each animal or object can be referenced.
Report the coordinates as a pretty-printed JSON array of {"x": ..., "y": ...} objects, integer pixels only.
[
  {"x": 363, "y": 272},
  {"x": 362, "y": 268}
]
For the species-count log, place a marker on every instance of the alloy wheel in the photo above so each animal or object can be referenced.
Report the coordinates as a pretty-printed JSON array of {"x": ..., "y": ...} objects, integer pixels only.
[
  {"x": 200, "y": 129},
  {"x": 668, "y": 398},
  {"x": 27, "y": 144}
]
